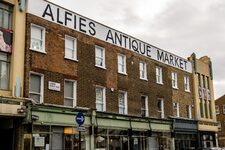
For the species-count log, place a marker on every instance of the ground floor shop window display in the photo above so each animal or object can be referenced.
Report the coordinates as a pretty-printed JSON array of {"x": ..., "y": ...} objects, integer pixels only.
[
  {"x": 108, "y": 139},
  {"x": 57, "y": 137}
]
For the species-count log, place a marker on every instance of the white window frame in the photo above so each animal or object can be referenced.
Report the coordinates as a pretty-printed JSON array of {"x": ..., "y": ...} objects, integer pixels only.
[
  {"x": 174, "y": 80},
  {"x": 189, "y": 111},
  {"x": 224, "y": 109},
  {"x": 159, "y": 78},
  {"x": 143, "y": 70},
  {"x": 186, "y": 84},
  {"x": 122, "y": 64},
  {"x": 42, "y": 50},
  {"x": 74, "y": 50},
  {"x": 104, "y": 98},
  {"x": 102, "y": 58},
  {"x": 74, "y": 92},
  {"x": 161, "y": 111},
  {"x": 42, "y": 86},
  {"x": 219, "y": 126},
  {"x": 176, "y": 107},
  {"x": 146, "y": 105},
  {"x": 217, "y": 110},
  {"x": 125, "y": 102}
]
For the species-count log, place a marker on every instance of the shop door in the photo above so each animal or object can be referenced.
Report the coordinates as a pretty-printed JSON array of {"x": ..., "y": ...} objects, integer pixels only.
[{"x": 6, "y": 139}]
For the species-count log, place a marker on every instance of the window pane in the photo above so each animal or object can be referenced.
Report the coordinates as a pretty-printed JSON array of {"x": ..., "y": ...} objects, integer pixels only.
[
  {"x": 36, "y": 32},
  {"x": 68, "y": 89},
  {"x": 69, "y": 43},
  {"x": 35, "y": 97},
  {"x": 4, "y": 75},
  {"x": 35, "y": 83},
  {"x": 99, "y": 52},
  {"x": 6, "y": 20},
  {"x": 68, "y": 102}
]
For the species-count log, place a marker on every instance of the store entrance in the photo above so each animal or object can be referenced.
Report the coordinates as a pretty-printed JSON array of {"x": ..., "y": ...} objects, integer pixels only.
[{"x": 6, "y": 134}]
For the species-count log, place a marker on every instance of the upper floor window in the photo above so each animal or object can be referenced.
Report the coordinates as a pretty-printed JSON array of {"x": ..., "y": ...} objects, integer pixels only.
[
  {"x": 176, "y": 109},
  {"x": 159, "y": 78},
  {"x": 223, "y": 109},
  {"x": 99, "y": 57},
  {"x": 189, "y": 111},
  {"x": 219, "y": 125},
  {"x": 70, "y": 93},
  {"x": 36, "y": 87},
  {"x": 122, "y": 64},
  {"x": 122, "y": 97},
  {"x": 161, "y": 107},
  {"x": 199, "y": 80},
  {"x": 217, "y": 109},
  {"x": 4, "y": 71},
  {"x": 5, "y": 16},
  {"x": 37, "y": 38},
  {"x": 100, "y": 98},
  {"x": 143, "y": 70},
  {"x": 174, "y": 80},
  {"x": 70, "y": 48},
  {"x": 186, "y": 84},
  {"x": 144, "y": 106}
]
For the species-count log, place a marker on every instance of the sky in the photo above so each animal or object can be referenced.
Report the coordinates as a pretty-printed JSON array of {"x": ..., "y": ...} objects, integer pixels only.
[{"x": 177, "y": 26}]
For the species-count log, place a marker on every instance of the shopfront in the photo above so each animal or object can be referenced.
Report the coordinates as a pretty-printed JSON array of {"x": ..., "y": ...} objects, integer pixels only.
[
  {"x": 51, "y": 127},
  {"x": 185, "y": 134}
]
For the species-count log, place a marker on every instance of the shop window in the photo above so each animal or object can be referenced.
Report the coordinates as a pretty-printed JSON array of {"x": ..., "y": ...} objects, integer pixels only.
[
  {"x": 159, "y": 78},
  {"x": 186, "y": 84},
  {"x": 122, "y": 102},
  {"x": 70, "y": 48},
  {"x": 122, "y": 64},
  {"x": 144, "y": 106},
  {"x": 143, "y": 70},
  {"x": 174, "y": 80},
  {"x": 189, "y": 111},
  {"x": 161, "y": 107},
  {"x": 37, "y": 42},
  {"x": 99, "y": 57},
  {"x": 100, "y": 98},
  {"x": 4, "y": 71},
  {"x": 176, "y": 109},
  {"x": 5, "y": 16},
  {"x": 36, "y": 87},
  {"x": 70, "y": 93}
]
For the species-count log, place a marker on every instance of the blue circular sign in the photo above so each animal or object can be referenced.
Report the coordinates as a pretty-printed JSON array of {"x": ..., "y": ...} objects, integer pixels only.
[{"x": 80, "y": 118}]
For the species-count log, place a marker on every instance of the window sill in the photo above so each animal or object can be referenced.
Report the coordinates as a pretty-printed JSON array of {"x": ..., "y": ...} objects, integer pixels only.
[
  {"x": 123, "y": 73},
  {"x": 175, "y": 88},
  {"x": 36, "y": 50},
  {"x": 145, "y": 79},
  {"x": 101, "y": 67},
  {"x": 159, "y": 83},
  {"x": 188, "y": 91},
  {"x": 71, "y": 59}
]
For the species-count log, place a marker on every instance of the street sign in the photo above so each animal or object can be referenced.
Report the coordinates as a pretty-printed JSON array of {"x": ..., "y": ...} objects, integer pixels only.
[
  {"x": 81, "y": 129},
  {"x": 80, "y": 118}
]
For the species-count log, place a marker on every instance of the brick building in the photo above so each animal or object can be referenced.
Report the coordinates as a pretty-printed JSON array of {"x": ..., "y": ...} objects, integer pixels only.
[
  {"x": 220, "y": 113},
  {"x": 133, "y": 95}
]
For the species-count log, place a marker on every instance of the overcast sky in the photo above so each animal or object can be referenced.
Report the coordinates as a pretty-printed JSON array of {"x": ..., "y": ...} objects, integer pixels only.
[{"x": 178, "y": 26}]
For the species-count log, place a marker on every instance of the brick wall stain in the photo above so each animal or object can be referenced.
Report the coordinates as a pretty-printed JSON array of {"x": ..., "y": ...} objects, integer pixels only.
[{"x": 56, "y": 68}]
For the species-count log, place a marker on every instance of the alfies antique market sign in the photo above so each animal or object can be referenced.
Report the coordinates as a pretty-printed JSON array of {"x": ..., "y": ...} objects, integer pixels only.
[{"x": 54, "y": 13}]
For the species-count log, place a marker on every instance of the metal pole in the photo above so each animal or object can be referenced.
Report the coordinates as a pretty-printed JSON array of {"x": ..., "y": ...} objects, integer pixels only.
[{"x": 79, "y": 140}]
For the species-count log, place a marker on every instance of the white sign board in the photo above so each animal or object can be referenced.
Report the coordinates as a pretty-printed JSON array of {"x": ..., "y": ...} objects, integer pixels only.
[
  {"x": 53, "y": 86},
  {"x": 39, "y": 141},
  {"x": 54, "y": 13}
]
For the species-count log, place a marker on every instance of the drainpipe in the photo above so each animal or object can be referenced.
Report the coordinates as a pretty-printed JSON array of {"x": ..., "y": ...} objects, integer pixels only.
[
  {"x": 172, "y": 144},
  {"x": 92, "y": 136}
]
